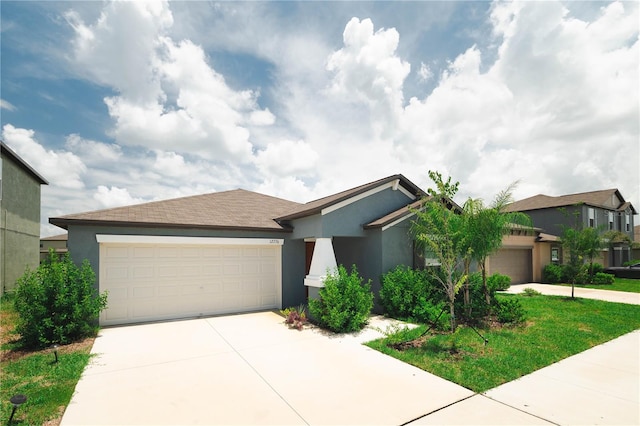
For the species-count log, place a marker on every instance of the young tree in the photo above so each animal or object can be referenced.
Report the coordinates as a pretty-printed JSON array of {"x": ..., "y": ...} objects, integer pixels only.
[
  {"x": 486, "y": 226},
  {"x": 580, "y": 243},
  {"x": 439, "y": 230}
]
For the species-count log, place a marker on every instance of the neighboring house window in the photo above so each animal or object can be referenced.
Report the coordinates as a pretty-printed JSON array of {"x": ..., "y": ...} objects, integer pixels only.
[
  {"x": 592, "y": 217},
  {"x": 627, "y": 222},
  {"x": 555, "y": 254},
  {"x": 610, "y": 214}
]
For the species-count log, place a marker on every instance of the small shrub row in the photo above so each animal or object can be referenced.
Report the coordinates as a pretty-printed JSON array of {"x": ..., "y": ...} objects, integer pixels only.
[{"x": 555, "y": 274}]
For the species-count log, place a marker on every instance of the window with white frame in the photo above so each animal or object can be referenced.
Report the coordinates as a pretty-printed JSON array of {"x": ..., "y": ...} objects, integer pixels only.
[
  {"x": 627, "y": 221},
  {"x": 592, "y": 217},
  {"x": 610, "y": 215}
]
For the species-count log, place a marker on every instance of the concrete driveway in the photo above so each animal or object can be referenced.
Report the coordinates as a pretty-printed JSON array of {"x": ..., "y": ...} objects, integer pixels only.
[{"x": 250, "y": 369}]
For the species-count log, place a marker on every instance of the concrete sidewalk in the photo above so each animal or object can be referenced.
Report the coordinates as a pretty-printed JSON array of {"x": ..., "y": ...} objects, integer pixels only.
[
  {"x": 587, "y": 293},
  {"x": 599, "y": 386}
]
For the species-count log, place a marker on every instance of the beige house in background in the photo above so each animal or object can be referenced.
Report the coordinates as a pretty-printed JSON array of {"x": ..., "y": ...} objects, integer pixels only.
[
  {"x": 524, "y": 254},
  {"x": 19, "y": 217},
  {"x": 57, "y": 243}
]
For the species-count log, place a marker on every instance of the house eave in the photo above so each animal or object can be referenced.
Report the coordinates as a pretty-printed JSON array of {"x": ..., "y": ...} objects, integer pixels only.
[{"x": 64, "y": 224}]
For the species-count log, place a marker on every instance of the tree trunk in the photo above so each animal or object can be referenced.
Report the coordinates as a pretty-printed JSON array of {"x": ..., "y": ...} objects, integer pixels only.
[
  {"x": 467, "y": 297},
  {"x": 452, "y": 312},
  {"x": 484, "y": 282}
]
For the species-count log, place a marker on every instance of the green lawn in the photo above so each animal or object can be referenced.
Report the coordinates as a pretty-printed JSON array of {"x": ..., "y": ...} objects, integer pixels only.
[
  {"x": 556, "y": 328},
  {"x": 620, "y": 284},
  {"x": 48, "y": 385}
]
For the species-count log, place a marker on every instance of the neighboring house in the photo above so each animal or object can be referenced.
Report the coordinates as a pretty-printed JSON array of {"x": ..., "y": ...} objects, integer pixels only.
[
  {"x": 524, "y": 254},
  {"x": 19, "y": 217},
  {"x": 238, "y": 251},
  {"x": 606, "y": 210},
  {"x": 57, "y": 242}
]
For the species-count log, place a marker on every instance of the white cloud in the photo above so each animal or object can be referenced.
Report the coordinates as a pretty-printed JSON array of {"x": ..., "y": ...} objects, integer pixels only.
[
  {"x": 169, "y": 97},
  {"x": 115, "y": 197},
  {"x": 262, "y": 118},
  {"x": 92, "y": 152},
  {"x": 425, "y": 72},
  {"x": 368, "y": 69},
  {"x": 7, "y": 105},
  {"x": 287, "y": 158},
  {"x": 60, "y": 168}
]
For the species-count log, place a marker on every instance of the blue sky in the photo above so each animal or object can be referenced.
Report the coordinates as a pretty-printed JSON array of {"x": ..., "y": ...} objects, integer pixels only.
[{"x": 125, "y": 102}]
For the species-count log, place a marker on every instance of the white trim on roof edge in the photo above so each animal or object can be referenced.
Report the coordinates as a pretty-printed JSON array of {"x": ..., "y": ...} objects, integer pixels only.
[
  {"x": 395, "y": 185},
  {"x": 161, "y": 239},
  {"x": 397, "y": 221}
]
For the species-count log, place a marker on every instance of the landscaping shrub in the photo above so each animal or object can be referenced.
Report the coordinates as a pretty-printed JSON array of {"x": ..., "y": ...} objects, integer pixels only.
[
  {"x": 601, "y": 278},
  {"x": 498, "y": 282},
  {"x": 295, "y": 317},
  {"x": 530, "y": 292},
  {"x": 478, "y": 308},
  {"x": 553, "y": 274},
  {"x": 509, "y": 311},
  {"x": 345, "y": 303},
  {"x": 57, "y": 302},
  {"x": 595, "y": 268},
  {"x": 411, "y": 294}
]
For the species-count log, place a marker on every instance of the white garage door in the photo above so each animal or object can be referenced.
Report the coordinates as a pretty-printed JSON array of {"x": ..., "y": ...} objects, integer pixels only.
[
  {"x": 516, "y": 263},
  {"x": 158, "y": 278}
]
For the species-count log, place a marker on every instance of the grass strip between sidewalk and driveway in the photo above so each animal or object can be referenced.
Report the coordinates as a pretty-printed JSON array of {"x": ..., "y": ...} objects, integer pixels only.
[
  {"x": 48, "y": 385},
  {"x": 555, "y": 328}
]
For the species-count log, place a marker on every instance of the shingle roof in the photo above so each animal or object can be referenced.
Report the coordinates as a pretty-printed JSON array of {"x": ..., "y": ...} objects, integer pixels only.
[
  {"x": 316, "y": 206},
  {"x": 594, "y": 198},
  {"x": 235, "y": 209},
  {"x": 61, "y": 237},
  {"x": 8, "y": 152}
]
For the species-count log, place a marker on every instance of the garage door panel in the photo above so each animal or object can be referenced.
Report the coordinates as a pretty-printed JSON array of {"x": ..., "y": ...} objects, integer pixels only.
[
  {"x": 147, "y": 282},
  {"x": 143, "y": 252},
  {"x": 516, "y": 263}
]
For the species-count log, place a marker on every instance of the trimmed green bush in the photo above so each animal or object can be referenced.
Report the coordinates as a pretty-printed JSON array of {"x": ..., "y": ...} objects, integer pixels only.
[
  {"x": 498, "y": 282},
  {"x": 509, "y": 311},
  {"x": 57, "y": 303},
  {"x": 601, "y": 278},
  {"x": 410, "y": 294},
  {"x": 595, "y": 268},
  {"x": 553, "y": 274},
  {"x": 345, "y": 303}
]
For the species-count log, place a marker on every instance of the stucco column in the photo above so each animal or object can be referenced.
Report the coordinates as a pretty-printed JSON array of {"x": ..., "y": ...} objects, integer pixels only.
[{"x": 323, "y": 259}]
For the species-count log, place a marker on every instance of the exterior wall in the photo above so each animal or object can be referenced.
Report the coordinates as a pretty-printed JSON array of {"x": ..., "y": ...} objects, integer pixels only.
[
  {"x": 19, "y": 223},
  {"x": 83, "y": 245},
  {"x": 348, "y": 220}
]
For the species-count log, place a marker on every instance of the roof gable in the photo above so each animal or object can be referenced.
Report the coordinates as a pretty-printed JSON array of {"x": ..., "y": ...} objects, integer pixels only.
[
  {"x": 336, "y": 201},
  {"x": 235, "y": 209},
  {"x": 610, "y": 199}
]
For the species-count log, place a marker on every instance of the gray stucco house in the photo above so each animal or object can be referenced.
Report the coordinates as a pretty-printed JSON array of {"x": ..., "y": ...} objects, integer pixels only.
[
  {"x": 19, "y": 217},
  {"x": 238, "y": 251},
  {"x": 605, "y": 210}
]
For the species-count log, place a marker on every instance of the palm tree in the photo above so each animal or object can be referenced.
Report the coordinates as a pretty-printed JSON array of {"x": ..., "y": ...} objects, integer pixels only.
[{"x": 485, "y": 227}]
